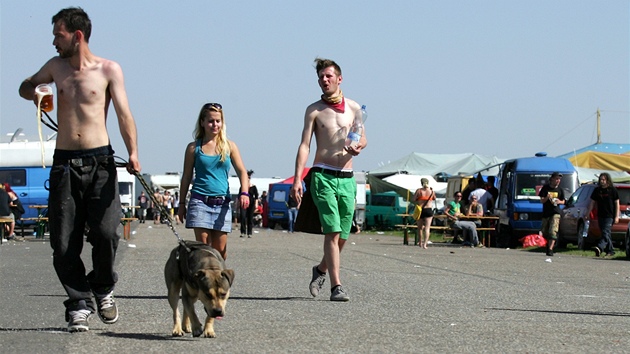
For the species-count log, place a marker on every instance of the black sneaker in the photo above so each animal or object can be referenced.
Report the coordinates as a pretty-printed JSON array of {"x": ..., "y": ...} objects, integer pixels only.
[
  {"x": 106, "y": 307},
  {"x": 317, "y": 281},
  {"x": 598, "y": 252},
  {"x": 550, "y": 253},
  {"x": 78, "y": 320},
  {"x": 338, "y": 294}
]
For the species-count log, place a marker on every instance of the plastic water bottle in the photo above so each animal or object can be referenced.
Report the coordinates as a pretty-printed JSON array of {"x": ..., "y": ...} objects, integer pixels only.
[
  {"x": 356, "y": 131},
  {"x": 587, "y": 223}
]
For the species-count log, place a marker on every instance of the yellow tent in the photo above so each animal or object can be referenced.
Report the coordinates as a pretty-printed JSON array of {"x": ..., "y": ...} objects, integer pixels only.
[{"x": 601, "y": 161}]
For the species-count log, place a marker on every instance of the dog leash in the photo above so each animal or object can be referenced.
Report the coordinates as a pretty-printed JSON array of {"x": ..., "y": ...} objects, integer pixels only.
[
  {"x": 163, "y": 211},
  {"x": 53, "y": 126}
]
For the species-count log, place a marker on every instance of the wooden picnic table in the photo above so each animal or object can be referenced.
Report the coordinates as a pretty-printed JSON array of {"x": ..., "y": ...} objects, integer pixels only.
[{"x": 484, "y": 231}]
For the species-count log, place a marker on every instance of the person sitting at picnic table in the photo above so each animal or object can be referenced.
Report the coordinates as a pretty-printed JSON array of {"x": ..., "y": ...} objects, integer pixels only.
[
  {"x": 453, "y": 214},
  {"x": 474, "y": 209}
]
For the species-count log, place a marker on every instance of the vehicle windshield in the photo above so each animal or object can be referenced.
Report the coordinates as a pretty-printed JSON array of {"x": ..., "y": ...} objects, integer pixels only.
[
  {"x": 624, "y": 195},
  {"x": 528, "y": 185}
]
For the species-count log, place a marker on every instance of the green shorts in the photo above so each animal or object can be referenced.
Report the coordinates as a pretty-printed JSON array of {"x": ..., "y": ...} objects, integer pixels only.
[
  {"x": 334, "y": 198},
  {"x": 550, "y": 227}
]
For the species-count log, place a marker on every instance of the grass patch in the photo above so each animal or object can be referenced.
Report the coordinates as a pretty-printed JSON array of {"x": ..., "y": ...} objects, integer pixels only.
[
  {"x": 435, "y": 237},
  {"x": 572, "y": 250}
]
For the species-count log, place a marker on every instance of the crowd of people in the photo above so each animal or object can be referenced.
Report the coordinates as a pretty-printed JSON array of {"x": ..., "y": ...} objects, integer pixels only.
[{"x": 152, "y": 207}]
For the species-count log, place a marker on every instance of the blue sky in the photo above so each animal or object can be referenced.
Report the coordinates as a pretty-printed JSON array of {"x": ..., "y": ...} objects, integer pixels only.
[{"x": 505, "y": 78}]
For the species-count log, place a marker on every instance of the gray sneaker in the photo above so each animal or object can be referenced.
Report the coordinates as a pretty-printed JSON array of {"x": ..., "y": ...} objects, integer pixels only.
[
  {"x": 78, "y": 320},
  {"x": 339, "y": 295},
  {"x": 317, "y": 282},
  {"x": 106, "y": 307}
]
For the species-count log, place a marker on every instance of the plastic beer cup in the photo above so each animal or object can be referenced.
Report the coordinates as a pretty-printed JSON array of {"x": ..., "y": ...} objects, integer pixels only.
[{"x": 45, "y": 96}]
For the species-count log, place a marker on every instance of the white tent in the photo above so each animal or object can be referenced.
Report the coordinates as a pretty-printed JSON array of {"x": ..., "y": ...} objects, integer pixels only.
[
  {"x": 412, "y": 182},
  {"x": 431, "y": 164},
  {"x": 402, "y": 175}
]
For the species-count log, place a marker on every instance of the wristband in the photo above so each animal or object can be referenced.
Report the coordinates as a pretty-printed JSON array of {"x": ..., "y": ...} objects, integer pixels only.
[{"x": 244, "y": 193}]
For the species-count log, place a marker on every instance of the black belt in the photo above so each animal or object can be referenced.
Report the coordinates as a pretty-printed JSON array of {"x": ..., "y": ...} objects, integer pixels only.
[
  {"x": 208, "y": 200},
  {"x": 338, "y": 174},
  {"x": 82, "y": 161}
]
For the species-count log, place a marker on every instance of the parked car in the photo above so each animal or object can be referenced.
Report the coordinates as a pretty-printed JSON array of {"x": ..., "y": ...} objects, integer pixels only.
[{"x": 573, "y": 218}]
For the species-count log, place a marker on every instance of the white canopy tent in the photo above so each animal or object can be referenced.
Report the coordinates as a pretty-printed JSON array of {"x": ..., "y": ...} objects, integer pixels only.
[
  {"x": 402, "y": 175},
  {"x": 431, "y": 164}
]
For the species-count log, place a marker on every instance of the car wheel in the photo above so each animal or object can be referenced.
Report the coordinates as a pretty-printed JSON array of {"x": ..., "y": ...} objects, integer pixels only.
[
  {"x": 562, "y": 242},
  {"x": 504, "y": 237},
  {"x": 627, "y": 244},
  {"x": 271, "y": 224}
]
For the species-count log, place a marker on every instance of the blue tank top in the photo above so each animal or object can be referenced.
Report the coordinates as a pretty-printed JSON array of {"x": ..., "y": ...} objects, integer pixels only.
[{"x": 211, "y": 175}]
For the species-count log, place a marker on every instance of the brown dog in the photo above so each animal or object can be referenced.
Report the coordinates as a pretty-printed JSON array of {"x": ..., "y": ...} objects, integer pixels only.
[{"x": 201, "y": 275}]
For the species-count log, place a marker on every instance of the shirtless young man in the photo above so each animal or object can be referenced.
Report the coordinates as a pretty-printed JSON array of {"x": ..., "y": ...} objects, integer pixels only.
[
  {"x": 332, "y": 183},
  {"x": 83, "y": 182}
]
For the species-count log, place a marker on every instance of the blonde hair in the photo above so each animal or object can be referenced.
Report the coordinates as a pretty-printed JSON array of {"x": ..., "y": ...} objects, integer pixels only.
[{"x": 222, "y": 143}]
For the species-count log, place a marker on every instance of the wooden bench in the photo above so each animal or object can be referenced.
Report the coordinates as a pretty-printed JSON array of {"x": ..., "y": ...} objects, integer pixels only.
[
  {"x": 40, "y": 225},
  {"x": 405, "y": 229},
  {"x": 41, "y": 222},
  {"x": 126, "y": 222},
  {"x": 416, "y": 240},
  {"x": 4, "y": 220},
  {"x": 485, "y": 233}
]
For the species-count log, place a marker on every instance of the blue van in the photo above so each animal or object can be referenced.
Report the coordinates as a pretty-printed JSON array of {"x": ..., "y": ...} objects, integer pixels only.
[
  {"x": 518, "y": 206},
  {"x": 31, "y": 186},
  {"x": 277, "y": 199}
]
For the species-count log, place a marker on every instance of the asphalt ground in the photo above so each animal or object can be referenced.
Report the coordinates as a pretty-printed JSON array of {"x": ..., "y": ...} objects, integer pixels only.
[{"x": 446, "y": 299}]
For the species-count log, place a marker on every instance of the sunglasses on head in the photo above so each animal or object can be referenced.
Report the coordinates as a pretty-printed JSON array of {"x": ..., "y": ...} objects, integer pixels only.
[{"x": 216, "y": 106}]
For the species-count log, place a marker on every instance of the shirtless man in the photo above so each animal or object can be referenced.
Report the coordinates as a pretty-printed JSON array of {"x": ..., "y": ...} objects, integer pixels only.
[
  {"x": 83, "y": 182},
  {"x": 332, "y": 182},
  {"x": 156, "y": 208}
]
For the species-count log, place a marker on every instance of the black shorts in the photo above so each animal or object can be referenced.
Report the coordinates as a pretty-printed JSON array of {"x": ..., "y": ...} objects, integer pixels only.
[{"x": 426, "y": 213}]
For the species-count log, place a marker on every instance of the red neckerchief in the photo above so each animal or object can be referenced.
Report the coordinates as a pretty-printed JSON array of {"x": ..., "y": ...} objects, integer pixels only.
[
  {"x": 338, "y": 102},
  {"x": 341, "y": 106}
]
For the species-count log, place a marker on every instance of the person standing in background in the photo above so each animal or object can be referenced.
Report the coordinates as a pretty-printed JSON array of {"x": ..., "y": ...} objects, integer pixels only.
[
  {"x": 606, "y": 199},
  {"x": 551, "y": 196},
  {"x": 247, "y": 214},
  {"x": 156, "y": 207},
  {"x": 176, "y": 207},
  {"x": 143, "y": 203},
  {"x": 424, "y": 198}
]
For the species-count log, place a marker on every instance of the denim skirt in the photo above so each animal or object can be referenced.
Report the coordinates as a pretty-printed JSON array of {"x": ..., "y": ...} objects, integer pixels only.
[{"x": 212, "y": 217}]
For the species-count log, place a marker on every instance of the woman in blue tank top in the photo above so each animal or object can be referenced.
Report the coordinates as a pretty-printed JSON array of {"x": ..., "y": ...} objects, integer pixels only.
[{"x": 210, "y": 157}]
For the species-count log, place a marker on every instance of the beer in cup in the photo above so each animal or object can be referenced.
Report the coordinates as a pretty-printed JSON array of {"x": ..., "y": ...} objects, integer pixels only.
[{"x": 44, "y": 94}]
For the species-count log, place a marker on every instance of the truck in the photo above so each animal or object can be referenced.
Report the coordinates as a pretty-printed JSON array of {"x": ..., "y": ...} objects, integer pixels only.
[
  {"x": 518, "y": 206},
  {"x": 126, "y": 187},
  {"x": 25, "y": 166}
]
